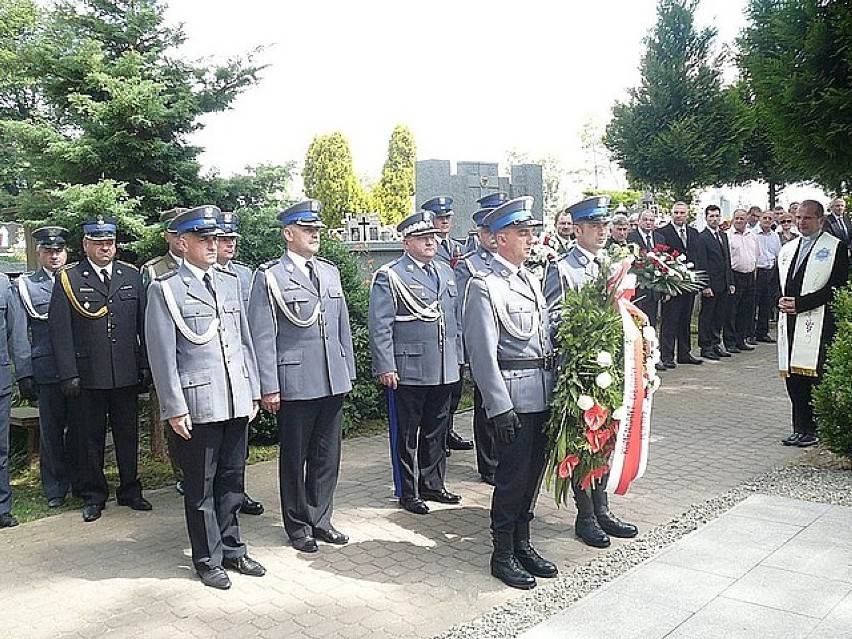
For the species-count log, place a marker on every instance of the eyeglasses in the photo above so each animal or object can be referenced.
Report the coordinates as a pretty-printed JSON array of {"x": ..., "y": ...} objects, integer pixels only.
[{"x": 786, "y": 221}]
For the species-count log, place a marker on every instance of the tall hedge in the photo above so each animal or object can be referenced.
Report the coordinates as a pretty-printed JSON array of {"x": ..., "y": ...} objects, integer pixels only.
[{"x": 833, "y": 396}]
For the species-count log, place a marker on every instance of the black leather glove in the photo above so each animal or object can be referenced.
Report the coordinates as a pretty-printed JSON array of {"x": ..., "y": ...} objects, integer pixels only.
[
  {"x": 145, "y": 379},
  {"x": 70, "y": 387},
  {"x": 27, "y": 389},
  {"x": 506, "y": 426}
]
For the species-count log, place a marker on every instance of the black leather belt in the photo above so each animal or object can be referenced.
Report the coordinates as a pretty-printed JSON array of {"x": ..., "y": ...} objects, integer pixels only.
[{"x": 547, "y": 363}]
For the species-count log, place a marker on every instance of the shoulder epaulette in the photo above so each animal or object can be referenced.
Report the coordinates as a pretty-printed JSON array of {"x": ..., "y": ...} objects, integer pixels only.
[
  {"x": 324, "y": 259},
  {"x": 267, "y": 265},
  {"x": 166, "y": 275},
  {"x": 128, "y": 264},
  {"x": 67, "y": 266},
  {"x": 238, "y": 263}
]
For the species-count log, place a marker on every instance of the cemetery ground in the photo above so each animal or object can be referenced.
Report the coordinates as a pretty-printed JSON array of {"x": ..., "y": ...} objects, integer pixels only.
[{"x": 715, "y": 436}]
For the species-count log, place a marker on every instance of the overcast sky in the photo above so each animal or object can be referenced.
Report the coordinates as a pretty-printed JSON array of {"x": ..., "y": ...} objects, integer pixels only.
[{"x": 472, "y": 79}]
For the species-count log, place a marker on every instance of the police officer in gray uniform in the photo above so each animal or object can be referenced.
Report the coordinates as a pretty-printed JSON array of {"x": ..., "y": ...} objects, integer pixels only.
[
  {"x": 300, "y": 326},
  {"x": 413, "y": 340},
  {"x": 57, "y": 436},
  {"x": 449, "y": 251},
  {"x": 512, "y": 362},
  {"x": 479, "y": 262},
  {"x": 229, "y": 224},
  {"x": 571, "y": 272},
  {"x": 95, "y": 321},
  {"x": 15, "y": 348},
  {"x": 205, "y": 372}
]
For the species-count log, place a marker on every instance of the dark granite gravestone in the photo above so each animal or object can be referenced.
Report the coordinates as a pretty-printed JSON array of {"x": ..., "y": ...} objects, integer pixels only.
[{"x": 470, "y": 182}]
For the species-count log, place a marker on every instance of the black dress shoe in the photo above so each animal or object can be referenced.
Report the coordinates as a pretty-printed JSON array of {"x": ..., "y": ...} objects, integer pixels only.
[
  {"x": 92, "y": 512},
  {"x": 751, "y": 341},
  {"x": 710, "y": 355},
  {"x": 442, "y": 496},
  {"x": 331, "y": 536},
  {"x": 414, "y": 505},
  {"x": 792, "y": 440},
  {"x": 807, "y": 440},
  {"x": 689, "y": 359},
  {"x": 304, "y": 544},
  {"x": 721, "y": 353},
  {"x": 136, "y": 503},
  {"x": 745, "y": 347},
  {"x": 7, "y": 520},
  {"x": 614, "y": 527},
  {"x": 489, "y": 479},
  {"x": 244, "y": 565},
  {"x": 214, "y": 577},
  {"x": 590, "y": 533},
  {"x": 766, "y": 339},
  {"x": 55, "y": 502},
  {"x": 455, "y": 442},
  {"x": 250, "y": 506},
  {"x": 733, "y": 349}
]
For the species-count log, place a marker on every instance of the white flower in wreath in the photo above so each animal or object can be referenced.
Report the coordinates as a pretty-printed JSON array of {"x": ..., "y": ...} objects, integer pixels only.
[
  {"x": 650, "y": 254},
  {"x": 653, "y": 384},
  {"x": 620, "y": 414},
  {"x": 604, "y": 359},
  {"x": 585, "y": 402},
  {"x": 690, "y": 265},
  {"x": 603, "y": 380},
  {"x": 681, "y": 258}
]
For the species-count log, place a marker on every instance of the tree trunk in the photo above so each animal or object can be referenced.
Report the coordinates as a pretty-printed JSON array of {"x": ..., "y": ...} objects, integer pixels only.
[{"x": 773, "y": 194}]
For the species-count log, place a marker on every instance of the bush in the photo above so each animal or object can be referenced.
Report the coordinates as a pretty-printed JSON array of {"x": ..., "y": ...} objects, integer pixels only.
[{"x": 833, "y": 396}]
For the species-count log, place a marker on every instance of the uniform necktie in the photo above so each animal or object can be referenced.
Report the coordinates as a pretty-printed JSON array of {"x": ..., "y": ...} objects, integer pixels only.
[
  {"x": 105, "y": 276},
  {"x": 683, "y": 235},
  {"x": 430, "y": 271},
  {"x": 844, "y": 232},
  {"x": 312, "y": 274},
  {"x": 649, "y": 242},
  {"x": 208, "y": 282}
]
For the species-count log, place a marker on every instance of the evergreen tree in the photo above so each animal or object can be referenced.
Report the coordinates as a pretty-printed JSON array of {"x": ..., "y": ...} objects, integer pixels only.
[
  {"x": 393, "y": 195},
  {"x": 679, "y": 130},
  {"x": 796, "y": 56},
  {"x": 111, "y": 101},
  {"x": 329, "y": 177}
]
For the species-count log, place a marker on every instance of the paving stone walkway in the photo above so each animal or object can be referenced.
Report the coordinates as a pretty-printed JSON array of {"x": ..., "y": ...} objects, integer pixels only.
[{"x": 129, "y": 574}]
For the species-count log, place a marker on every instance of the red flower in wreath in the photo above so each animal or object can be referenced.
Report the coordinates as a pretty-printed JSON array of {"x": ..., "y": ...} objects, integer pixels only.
[
  {"x": 592, "y": 475},
  {"x": 566, "y": 468},
  {"x": 597, "y": 438},
  {"x": 595, "y": 417}
]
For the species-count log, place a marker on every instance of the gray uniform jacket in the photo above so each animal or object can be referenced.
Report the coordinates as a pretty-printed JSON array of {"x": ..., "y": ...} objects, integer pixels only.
[
  {"x": 16, "y": 347},
  {"x": 423, "y": 353},
  {"x": 154, "y": 268},
  {"x": 301, "y": 362},
  {"x": 474, "y": 263},
  {"x": 39, "y": 288},
  {"x": 489, "y": 341},
  {"x": 244, "y": 273},
  {"x": 214, "y": 381},
  {"x": 456, "y": 250},
  {"x": 569, "y": 272}
]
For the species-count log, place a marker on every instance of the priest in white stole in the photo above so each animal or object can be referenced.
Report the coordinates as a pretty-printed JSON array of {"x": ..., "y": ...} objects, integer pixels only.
[{"x": 811, "y": 267}]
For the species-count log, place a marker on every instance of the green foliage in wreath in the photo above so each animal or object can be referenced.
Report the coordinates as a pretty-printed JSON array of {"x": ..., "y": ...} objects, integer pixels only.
[
  {"x": 833, "y": 396},
  {"x": 589, "y": 327}
]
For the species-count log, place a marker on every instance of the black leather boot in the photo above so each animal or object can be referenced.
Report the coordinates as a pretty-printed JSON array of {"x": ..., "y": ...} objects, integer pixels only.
[
  {"x": 586, "y": 526},
  {"x": 608, "y": 522},
  {"x": 505, "y": 566},
  {"x": 534, "y": 563}
]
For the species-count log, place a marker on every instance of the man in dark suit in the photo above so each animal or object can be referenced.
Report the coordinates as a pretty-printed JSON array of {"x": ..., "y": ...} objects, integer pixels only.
[
  {"x": 838, "y": 224},
  {"x": 646, "y": 237},
  {"x": 811, "y": 268},
  {"x": 96, "y": 317},
  {"x": 676, "y": 311},
  {"x": 713, "y": 256},
  {"x": 450, "y": 251},
  {"x": 57, "y": 434},
  {"x": 300, "y": 327},
  {"x": 413, "y": 328}
]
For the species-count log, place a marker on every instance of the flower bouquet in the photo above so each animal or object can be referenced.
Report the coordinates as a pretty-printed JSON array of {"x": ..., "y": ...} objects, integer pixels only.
[
  {"x": 600, "y": 410},
  {"x": 540, "y": 255},
  {"x": 666, "y": 271}
]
